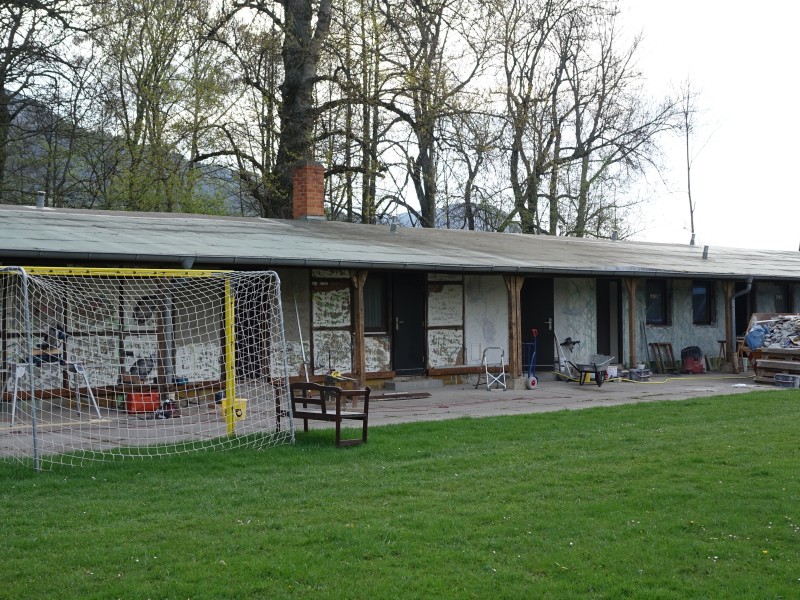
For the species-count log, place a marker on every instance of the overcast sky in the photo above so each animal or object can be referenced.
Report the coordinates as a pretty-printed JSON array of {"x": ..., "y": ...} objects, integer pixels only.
[{"x": 741, "y": 58}]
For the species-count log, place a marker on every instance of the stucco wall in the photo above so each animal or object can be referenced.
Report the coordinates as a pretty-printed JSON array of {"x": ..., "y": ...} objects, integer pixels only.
[
  {"x": 681, "y": 333},
  {"x": 575, "y": 313},
  {"x": 330, "y": 320},
  {"x": 486, "y": 316},
  {"x": 296, "y": 316},
  {"x": 445, "y": 317}
]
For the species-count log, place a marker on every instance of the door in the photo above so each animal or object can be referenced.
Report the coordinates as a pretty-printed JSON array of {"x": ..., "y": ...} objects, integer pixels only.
[
  {"x": 609, "y": 316},
  {"x": 744, "y": 308},
  {"x": 408, "y": 323},
  {"x": 536, "y": 304}
]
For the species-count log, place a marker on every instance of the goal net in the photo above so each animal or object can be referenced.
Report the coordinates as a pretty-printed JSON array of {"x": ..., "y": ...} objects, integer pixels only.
[{"x": 101, "y": 364}]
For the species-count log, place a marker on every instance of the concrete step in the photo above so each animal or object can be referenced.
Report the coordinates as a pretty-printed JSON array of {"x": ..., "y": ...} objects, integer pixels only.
[{"x": 412, "y": 384}]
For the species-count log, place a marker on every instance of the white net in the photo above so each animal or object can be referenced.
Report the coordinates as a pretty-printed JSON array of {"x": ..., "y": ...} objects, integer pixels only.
[{"x": 101, "y": 364}]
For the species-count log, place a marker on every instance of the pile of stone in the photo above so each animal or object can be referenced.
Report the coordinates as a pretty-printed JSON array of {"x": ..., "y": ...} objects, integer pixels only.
[{"x": 779, "y": 332}]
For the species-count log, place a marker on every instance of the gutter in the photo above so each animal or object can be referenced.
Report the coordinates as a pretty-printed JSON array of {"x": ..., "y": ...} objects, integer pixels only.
[{"x": 187, "y": 261}]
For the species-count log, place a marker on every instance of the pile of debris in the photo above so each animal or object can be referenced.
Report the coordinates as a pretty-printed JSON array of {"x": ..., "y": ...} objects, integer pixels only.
[{"x": 779, "y": 332}]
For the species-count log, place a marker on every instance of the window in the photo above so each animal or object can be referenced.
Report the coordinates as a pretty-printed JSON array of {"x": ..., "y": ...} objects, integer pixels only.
[
  {"x": 375, "y": 304},
  {"x": 658, "y": 302},
  {"x": 703, "y": 302}
]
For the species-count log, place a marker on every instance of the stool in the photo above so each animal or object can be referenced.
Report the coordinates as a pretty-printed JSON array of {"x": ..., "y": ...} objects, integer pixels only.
[
  {"x": 492, "y": 362},
  {"x": 723, "y": 353},
  {"x": 16, "y": 371}
]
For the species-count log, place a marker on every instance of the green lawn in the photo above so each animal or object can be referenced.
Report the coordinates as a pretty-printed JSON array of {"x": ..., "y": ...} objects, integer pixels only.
[{"x": 693, "y": 499}]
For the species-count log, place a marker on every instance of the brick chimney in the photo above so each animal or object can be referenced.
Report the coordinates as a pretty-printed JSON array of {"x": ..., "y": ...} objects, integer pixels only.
[{"x": 308, "y": 191}]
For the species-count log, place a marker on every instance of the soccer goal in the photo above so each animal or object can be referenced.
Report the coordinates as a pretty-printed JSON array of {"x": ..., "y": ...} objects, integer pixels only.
[{"x": 101, "y": 364}]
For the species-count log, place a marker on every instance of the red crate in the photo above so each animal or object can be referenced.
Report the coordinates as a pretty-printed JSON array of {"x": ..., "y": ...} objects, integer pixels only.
[{"x": 142, "y": 402}]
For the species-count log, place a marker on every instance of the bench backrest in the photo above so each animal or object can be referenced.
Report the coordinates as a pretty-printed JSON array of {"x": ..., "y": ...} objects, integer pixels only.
[{"x": 313, "y": 395}]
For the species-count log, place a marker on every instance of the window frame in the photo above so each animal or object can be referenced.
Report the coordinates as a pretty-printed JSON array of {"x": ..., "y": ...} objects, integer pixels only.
[
  {"x": 663, "y": 289},
  {"x": 377, "y": 281},
  {"x": 709, "y": 315}
]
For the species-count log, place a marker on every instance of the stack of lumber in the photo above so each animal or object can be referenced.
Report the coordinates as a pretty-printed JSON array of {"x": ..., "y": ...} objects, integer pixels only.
[
  {"x": 771, "y": 361},
  {"x": 780, "y": 352}
]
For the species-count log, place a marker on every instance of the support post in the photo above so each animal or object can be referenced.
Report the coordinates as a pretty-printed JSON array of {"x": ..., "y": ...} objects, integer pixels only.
[
  {"x": 730, "y": 343},
  {"x": 514, "y": 287},
  {"x": 358, "y": 279},
  {"x": 630, "y": 286},
  {"x": 230, "y": 359}
]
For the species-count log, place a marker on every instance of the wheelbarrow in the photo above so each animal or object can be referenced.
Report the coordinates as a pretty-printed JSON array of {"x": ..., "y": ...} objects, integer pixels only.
[{"x": 597, "y": 365}]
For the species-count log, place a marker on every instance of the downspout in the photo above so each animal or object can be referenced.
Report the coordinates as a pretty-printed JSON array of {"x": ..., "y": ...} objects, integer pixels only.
[{"x": 734, "y": 358}]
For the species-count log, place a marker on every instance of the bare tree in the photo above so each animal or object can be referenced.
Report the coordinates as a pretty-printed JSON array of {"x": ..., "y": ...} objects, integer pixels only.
[
  {"x": 580, "y": 127},
  {"x": 33, "y": 38},
  {"x": 304, "y": 25},
  {"x": 471, "y": 146},
  {"x": 532, "y": 79},
  {"x": 614, "y": 128},
  {"x": 440, "y": 48},
  {"x": 688, "y": 112}
]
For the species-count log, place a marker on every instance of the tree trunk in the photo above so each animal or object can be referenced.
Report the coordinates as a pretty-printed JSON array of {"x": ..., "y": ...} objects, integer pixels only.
[
  {"x": 5, "y": 126},
  {"x": 301, "y": 52}
]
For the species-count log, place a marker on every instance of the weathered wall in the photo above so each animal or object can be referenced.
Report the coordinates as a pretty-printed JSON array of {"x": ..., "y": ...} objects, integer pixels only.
[
  {"x": 485, "y": 316},
  {"x": 575, "y": 308},
  {"x": 378, "y": 353},
  {"x": 296, "y": 316},
  {"x": 445, "y": 310},
  {"x": 682, "y": 333},
  {"x": 330, "y": 321}
]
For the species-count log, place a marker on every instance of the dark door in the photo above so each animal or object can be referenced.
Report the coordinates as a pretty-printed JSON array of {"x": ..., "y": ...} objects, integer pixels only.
[
  {"x": 743, "y": 308},
  {"x": 609, "y": 314},
  {"x": 408, "y": 323},
  {"x": 536, "y": 302}
]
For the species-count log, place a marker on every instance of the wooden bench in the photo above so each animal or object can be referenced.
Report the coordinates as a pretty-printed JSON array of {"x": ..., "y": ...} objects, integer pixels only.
[{"x": 310, "y": 402}]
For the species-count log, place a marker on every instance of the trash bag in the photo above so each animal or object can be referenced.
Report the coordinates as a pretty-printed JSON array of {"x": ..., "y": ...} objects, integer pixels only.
[{"x": 755, "y": 337}]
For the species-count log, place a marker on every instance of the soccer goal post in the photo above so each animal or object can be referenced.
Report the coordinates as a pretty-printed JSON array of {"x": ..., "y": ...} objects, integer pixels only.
[{"x": 101, "y": 364}]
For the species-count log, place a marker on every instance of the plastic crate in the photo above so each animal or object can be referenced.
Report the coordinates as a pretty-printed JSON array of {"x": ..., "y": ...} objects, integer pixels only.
[
  {"x": 787, "y": 381},
  {"x": 142, "y": 402}
]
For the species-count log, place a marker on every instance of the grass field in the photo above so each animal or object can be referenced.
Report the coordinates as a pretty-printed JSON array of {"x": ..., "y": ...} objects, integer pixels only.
[{"x": 692, "y": 499}]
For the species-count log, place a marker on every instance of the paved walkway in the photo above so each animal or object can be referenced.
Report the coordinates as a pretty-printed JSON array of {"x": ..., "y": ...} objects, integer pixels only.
[{"x": 454, "y": 401}]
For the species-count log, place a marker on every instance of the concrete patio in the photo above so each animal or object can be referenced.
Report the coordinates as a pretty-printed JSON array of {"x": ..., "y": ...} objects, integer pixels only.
[{"x": 463, "y": 400}]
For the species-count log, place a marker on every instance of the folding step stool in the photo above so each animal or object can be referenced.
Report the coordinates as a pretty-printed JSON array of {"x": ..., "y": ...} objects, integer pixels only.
[
  {"x": 493, "y": 357},
  {"x": 17, "y": 371}
]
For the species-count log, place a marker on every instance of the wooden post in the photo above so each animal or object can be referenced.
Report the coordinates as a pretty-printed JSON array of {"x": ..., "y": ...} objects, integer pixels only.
[
  {"x": 358, "y": 278},
  {"x": 514, "y": 286},
  {"x": 730, "y": 344},
  {"x": 630, "y": 286}
]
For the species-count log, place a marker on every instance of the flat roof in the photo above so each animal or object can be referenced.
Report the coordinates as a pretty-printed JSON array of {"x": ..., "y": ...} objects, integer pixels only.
[{"x": 28, "y": 233}]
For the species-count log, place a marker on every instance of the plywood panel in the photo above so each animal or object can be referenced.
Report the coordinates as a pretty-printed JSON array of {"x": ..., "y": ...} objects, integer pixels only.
[
  {"x": 486, "y": 315},
  {"x": 331, "y": 307},
  {"x": 378, "y": 353},
  {"x": 332, "y": 349},
  {"x": 198, "y": 362},
  {"x": 445, "y": 347},
  {"x": 445, "y": 305}
]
